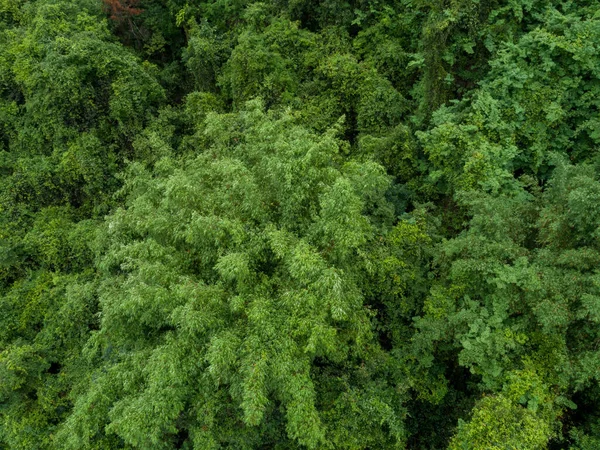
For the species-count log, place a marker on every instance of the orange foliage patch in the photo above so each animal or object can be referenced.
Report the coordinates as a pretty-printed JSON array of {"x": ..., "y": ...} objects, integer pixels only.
[{"x": 122, "y": 9}]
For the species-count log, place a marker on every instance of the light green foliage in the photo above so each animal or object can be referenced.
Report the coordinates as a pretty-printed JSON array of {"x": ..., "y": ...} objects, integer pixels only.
[
  {"x": 239, "y": 268},
  {"x": 519, "y": 417},
  {"x": 498, "y": 424}
]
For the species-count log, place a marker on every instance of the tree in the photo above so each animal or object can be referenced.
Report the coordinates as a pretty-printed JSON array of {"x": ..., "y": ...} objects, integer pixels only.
[
  {"x": 248, "y": 278},
  {"x": 71, "y": 100}
]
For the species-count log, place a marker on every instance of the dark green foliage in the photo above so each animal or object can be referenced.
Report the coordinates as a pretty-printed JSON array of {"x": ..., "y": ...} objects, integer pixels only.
[
  {"x": 72, "y": 100},
  {"x": 299, "y": 224}
]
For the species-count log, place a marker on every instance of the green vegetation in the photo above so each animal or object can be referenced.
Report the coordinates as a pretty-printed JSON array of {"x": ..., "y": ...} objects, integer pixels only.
[{"x": 298, "y": 224}]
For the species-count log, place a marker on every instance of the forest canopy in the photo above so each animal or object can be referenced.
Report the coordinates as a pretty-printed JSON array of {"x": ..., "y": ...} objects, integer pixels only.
[{"x": 298, "y": 224}]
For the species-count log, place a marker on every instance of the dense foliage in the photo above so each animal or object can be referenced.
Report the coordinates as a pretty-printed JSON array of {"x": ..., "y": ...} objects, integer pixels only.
[{"x": 299, "y": 224}]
